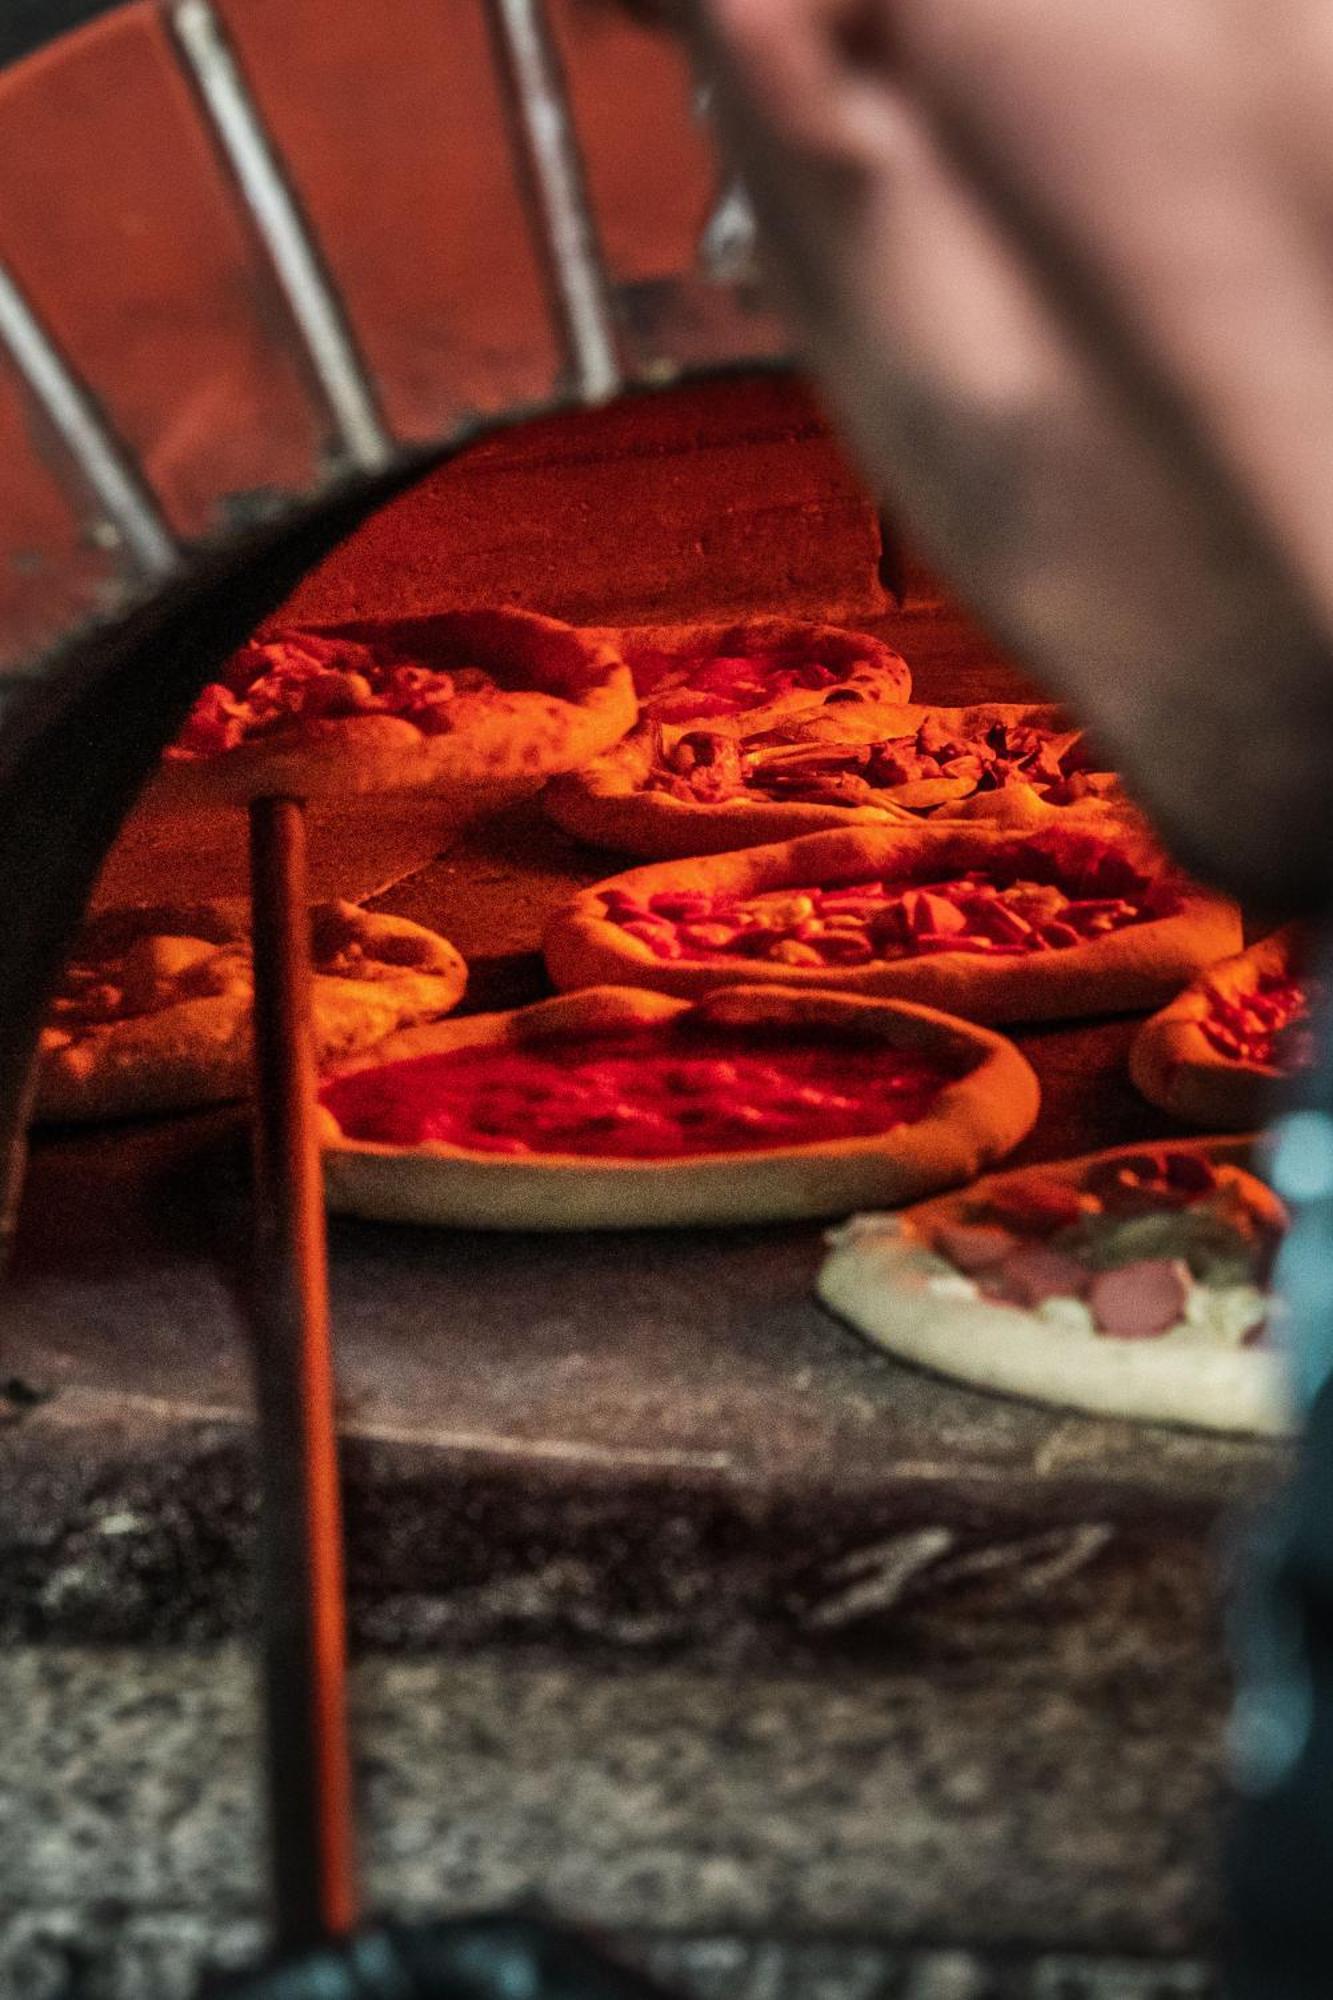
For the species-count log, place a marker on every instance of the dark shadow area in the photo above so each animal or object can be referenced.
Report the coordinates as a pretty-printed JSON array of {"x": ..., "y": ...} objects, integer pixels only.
[{"x": 26, "y": 24}]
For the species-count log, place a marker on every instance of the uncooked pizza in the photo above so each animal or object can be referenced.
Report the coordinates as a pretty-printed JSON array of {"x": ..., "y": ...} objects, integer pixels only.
[
  {"x": 1133, "y": 1283},
  {"x": 702, "y": 789},
  {"x": 398, "y": 705},
  {"x": 617, "y": 1108},
  {"x": 153, "y": 1011},
  {"x": 754, "y": 669},
  {"x": 994, "y": 925},
  {"x": 1214, "y": 1055}
]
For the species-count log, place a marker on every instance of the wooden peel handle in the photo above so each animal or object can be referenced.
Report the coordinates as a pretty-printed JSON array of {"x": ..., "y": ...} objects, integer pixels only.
[{"x": 310, "y": 1806}]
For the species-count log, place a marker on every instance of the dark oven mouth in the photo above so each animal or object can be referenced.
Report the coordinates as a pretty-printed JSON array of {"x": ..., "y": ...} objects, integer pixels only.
[{"x": 504, "y": 354}]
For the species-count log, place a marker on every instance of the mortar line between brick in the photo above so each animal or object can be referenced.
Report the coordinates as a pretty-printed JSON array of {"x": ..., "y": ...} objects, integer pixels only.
[
  {"x": 104, "y": 467},
  {"x": 255, "y": 164}
]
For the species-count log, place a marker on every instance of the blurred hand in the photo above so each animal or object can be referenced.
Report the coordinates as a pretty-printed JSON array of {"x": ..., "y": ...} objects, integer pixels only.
[{"x": 1066, "y": 270}]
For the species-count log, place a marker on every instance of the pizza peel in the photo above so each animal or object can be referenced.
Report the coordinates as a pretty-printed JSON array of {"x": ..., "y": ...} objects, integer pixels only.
[{"x": 322, "y": 1949}]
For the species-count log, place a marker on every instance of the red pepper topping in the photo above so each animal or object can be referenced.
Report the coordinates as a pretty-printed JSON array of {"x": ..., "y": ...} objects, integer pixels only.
[
  {"x": 1001, "y": 912},
  {"x": 1142, "y": 1183},
  {"x": 938, "y": 762},
  {"x": 676, "y": 688},
  {"x": 300, "y": 677},
  {"x": 1263, "y": 1026}
]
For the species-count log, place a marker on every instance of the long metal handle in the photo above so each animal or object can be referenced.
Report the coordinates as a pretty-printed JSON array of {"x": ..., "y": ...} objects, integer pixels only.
[{"x": 310, "y": 1807}]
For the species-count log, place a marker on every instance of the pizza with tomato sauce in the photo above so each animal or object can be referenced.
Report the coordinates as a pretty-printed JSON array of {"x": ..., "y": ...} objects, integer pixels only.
[
  {"x": 153, "y": 1009},
  {"x": 617, "y": 1109},
  {"x": 705, "y": 788},
  {"x": 754, "y": 669},
  {"x": 994, "y": 925},
  {"x": 463, "y": 699},
  {"x": 1133, "y": 1283},
  {"x": 1215, "y": 1054}
]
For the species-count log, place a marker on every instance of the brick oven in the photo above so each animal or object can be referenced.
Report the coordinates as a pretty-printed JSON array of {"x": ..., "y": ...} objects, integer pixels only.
[{"x": 675, "y": 1611}]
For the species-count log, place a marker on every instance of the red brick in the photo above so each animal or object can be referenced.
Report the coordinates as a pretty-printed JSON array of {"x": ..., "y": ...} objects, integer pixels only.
[
  {"x": 389, "y": 118},
  {"x": 725, "y": 496},
  {"x": 117, "y": 220},
  {"x": 654, "y": 179},
  {"x": 652, "y": 173}
]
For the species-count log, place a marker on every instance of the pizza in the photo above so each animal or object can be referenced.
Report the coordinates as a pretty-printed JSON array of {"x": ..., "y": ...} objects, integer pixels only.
[
  {"x": 668, "y": 791},
  {"x": 1130, "y": 1283},
  {"x": 991, "y": 924},
  {"x": 618, "y": 1109},
  {"x": 153, "y": 1010},
  {"x": 1213, "y": 1055},
  {"x": 462, "y": 699},
  {"x": 754, "y": 668}
]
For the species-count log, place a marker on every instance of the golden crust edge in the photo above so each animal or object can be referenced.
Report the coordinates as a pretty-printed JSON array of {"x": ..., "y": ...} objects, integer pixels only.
[
  {"x": 1174, "y": 1065},
  {"x": 203, "y": 1058},
  {"x": 1259, "y": 1405},
  {"x": 370, "y": 755}
]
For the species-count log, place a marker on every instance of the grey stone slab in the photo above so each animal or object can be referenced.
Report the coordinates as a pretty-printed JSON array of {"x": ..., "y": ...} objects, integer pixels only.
[
  {"x": 990, "y": 1809},
  {"x": 121, "y": 1524},
  {"x": 697, "y": 1354}
]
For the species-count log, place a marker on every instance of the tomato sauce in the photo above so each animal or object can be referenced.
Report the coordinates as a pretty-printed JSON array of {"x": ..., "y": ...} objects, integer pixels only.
[{"x": 641, "y": 1095}]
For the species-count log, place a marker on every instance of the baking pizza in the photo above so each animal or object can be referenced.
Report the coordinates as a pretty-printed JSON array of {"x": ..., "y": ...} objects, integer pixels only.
[
  {"x": 1214, "y": 1055},
  {"x": 754, "y": 668},
  {"x": 395, "y": 705},
  {"x": 991, "y": 924},
  {"x": 153, "y": 1009},
  {"x": 1132, "y": 1283},
  {"x": 670, "y": 791},
  {"x": 617, "y": 1109}
]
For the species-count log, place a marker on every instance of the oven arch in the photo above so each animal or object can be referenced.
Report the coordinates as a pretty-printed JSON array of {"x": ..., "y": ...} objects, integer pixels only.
[{"x": 164, "y": 492}]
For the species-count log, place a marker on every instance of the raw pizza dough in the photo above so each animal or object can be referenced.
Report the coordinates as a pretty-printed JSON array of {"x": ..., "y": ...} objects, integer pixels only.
[
  {"x": 502, "y": 700},
  {"x": 884, "y": 1278},
  {"x": 633, "y": 799},
  {"x": 973, "y": 1120},
  {"x": 153, "y": 1010},
  {"x": 1178, "y": 1060},
  {"x": 1137, "y": 966},
  {"x": 754, "y": 670}
]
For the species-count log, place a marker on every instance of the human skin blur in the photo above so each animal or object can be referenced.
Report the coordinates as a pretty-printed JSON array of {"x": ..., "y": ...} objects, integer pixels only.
[{"x": 1064, "y": 271}]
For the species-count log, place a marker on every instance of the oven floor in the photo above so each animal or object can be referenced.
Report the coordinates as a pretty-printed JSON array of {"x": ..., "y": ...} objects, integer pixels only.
[{"x": 678, "y": 1606}]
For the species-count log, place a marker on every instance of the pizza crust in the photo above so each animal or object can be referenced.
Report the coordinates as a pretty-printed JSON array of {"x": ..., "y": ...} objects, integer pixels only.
[
  {"x": 563, "y": 697},
  {"x": 973, "y": 1122},
  {"x": 877, "y": 1277},
  {"x": 373, "y": 976},
  {"x": 1124, "y": 972},
  {"x": 606, "y": 803},
  {"x": 1175, "y": 1066},
  {"x": 883, "y": 676}
]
